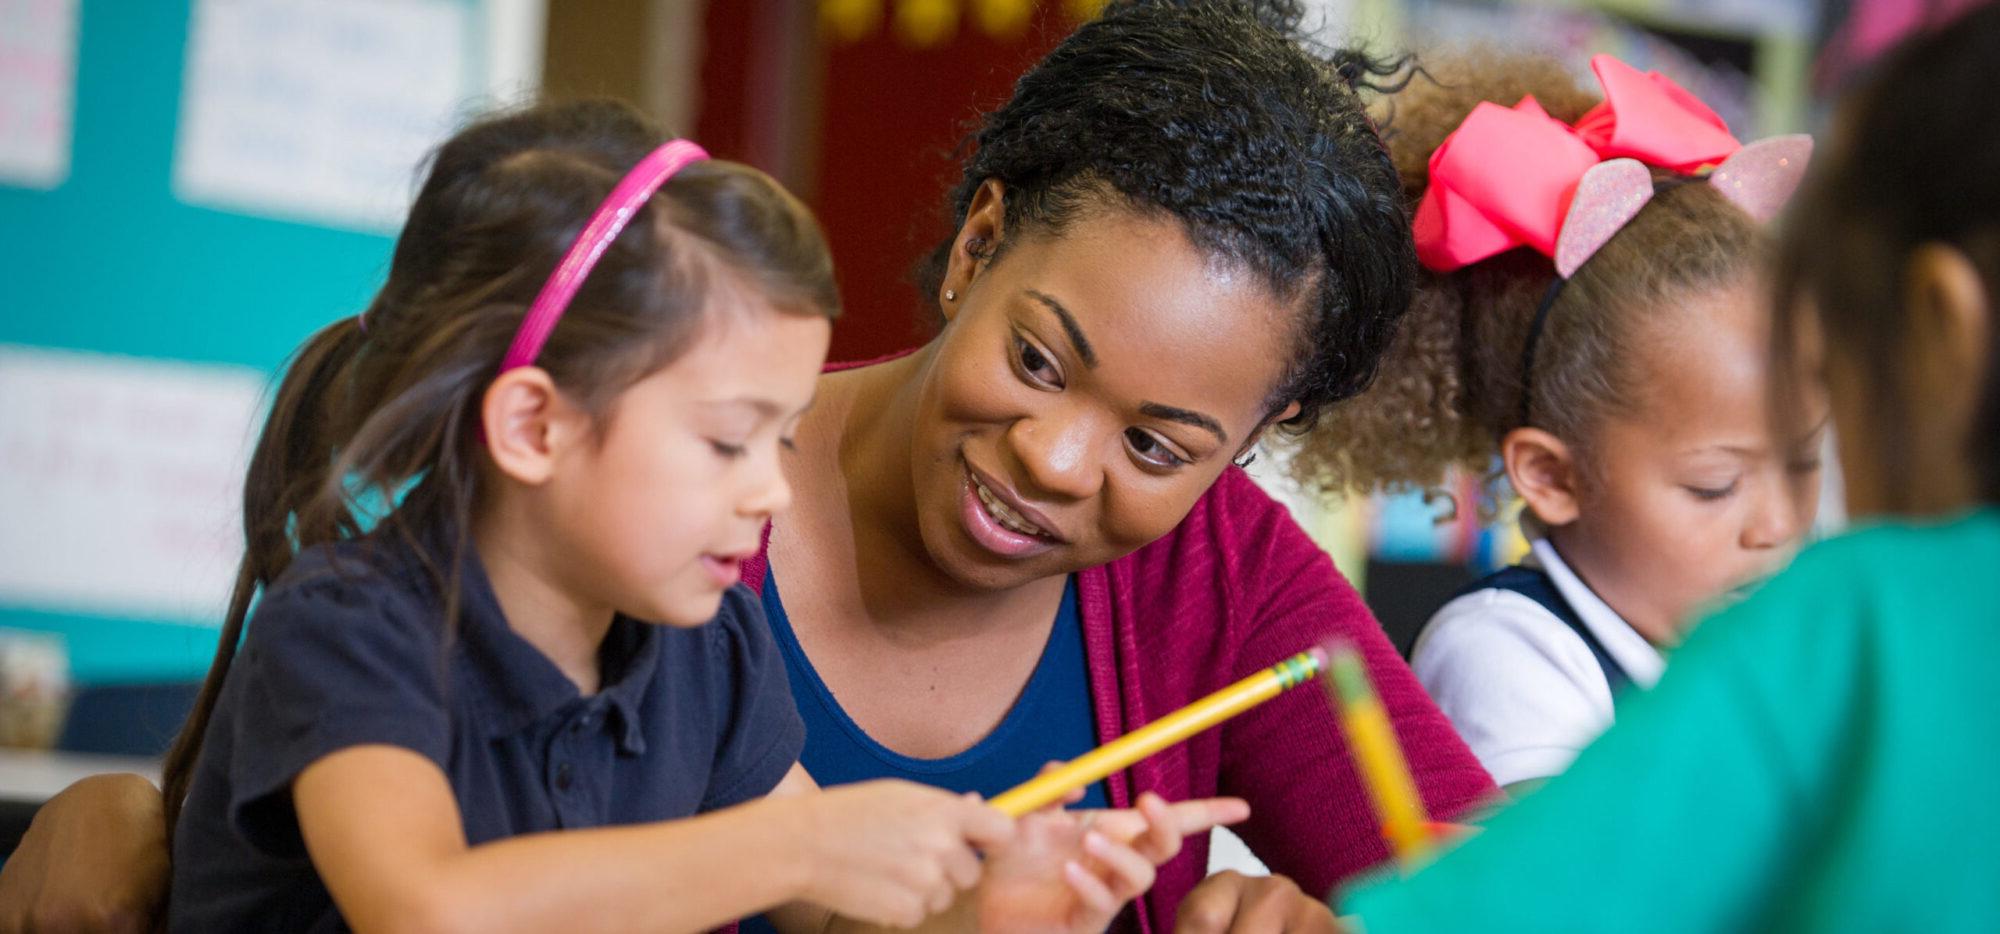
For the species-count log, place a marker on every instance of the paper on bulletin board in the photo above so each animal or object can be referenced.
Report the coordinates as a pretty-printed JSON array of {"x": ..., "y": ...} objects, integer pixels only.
[
  {"x": 37, "y": 90},
  {"x": 120, "y": 481},
  {"x": 321, "y": 111}
]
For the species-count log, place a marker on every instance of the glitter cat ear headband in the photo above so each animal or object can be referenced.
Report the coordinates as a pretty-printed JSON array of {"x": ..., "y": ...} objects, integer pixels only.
[{"x": 1514, "y": 177}]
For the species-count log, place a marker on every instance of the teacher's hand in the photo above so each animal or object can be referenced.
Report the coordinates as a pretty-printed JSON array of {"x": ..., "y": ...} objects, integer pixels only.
[
  {"x": 1233, "y": 903},
  {"x": 94, "y": 860},
  {"x": 1070, "y": 872}
]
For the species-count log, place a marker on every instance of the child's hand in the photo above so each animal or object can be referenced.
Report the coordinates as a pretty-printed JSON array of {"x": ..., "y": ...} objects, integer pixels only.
[
  {"x": 1228, "y": 902},
  {"x": 894, "y": 852},
  {"x": 1069, "y": 871}
]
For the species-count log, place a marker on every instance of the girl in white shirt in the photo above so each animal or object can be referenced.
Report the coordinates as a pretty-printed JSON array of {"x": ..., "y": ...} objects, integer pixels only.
[{"x": 1592, "y": 320}]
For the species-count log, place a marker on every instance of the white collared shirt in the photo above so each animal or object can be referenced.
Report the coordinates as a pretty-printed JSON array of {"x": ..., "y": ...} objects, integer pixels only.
[{"x": 1523, "y": 688}]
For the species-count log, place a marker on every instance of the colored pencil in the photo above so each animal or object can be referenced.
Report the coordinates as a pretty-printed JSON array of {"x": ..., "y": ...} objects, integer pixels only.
[
  {"x": 1050, "y": 787},
  {"x": 1376, "y": 754}
]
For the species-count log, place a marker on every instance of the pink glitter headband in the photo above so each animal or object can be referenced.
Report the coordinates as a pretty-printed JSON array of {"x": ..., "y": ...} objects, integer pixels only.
[{"x": 611, "y": 217}]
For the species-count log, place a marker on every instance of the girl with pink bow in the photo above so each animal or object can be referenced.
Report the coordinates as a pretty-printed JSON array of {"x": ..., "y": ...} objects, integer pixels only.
[{"x": 1592, "y": 323}]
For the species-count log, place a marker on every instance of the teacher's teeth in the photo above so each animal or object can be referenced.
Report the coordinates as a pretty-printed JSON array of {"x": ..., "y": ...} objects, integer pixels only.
[{"x": 1003, "y": 513}]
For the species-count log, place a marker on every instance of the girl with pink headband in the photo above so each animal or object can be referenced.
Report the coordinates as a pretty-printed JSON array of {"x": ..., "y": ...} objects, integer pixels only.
[
  {"x": 1592, "y": 324},
  {"x": 495, "y": 528}
]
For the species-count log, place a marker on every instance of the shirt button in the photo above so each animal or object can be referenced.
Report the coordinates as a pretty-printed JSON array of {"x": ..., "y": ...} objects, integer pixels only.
[{"x": 565, "y": 776}]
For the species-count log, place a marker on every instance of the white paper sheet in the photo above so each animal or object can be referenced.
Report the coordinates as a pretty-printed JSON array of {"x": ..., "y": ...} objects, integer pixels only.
[
  {"x": 37, "y": 90},
  {"x": 120, "y": 481},
  {"x": 321, "y": 110}
]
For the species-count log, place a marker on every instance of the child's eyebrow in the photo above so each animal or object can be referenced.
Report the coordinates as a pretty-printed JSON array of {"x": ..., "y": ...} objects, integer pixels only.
[
  {"x": 1740, "y": 450},
  {"x": 766, "y": 408},
  {"x": 763, "y": 407}
]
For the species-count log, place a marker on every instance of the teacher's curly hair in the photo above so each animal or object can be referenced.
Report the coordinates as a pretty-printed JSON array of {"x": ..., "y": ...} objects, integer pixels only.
[{"x": 1228, "y": 118}]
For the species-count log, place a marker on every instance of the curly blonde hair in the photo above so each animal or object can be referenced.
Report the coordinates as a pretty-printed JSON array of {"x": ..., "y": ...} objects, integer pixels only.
[{"x": 1451, "y": 385}]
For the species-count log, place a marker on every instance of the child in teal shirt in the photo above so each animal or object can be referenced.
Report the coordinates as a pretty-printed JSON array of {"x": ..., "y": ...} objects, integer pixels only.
[
  {"x": 1824, "y": 756},
  {"x": 1821, "y": 757}
]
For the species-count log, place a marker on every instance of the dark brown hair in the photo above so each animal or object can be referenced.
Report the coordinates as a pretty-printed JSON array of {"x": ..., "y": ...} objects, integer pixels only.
[
  {"x": 1452, "y": 384},
  {"x": 1914, "y": 160},
  {"x": 383, "y": 408}
]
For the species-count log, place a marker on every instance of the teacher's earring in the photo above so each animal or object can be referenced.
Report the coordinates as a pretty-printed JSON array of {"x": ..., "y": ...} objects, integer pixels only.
[{"x": 950, "y": 296}]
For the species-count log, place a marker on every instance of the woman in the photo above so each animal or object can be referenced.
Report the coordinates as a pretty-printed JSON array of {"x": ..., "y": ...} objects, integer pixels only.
[{"x": 1028, "y": 536}]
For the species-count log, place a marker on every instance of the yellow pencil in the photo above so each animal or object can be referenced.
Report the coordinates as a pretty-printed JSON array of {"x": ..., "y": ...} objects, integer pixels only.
[
  {"x": 1050, "y": 787},
  {"x": 1377, "y": 755}
]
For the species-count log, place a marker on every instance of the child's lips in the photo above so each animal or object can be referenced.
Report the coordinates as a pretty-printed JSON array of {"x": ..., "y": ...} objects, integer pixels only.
[{"x": 724, "y": 570}]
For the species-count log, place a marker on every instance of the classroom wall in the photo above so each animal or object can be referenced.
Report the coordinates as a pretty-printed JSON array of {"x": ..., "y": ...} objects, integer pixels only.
[{"x": 228, "y": 175}]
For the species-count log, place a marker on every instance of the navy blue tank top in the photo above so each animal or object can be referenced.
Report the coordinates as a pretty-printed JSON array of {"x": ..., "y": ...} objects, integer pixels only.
[{"x": 1050, "y": 722}]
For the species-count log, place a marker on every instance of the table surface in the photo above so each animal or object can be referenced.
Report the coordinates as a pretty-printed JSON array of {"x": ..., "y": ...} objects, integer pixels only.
[{"x": 33, "y": 776}]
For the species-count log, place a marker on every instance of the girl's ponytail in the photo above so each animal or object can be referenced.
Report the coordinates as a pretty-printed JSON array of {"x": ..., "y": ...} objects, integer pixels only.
[{"x": 289, "y": 467}]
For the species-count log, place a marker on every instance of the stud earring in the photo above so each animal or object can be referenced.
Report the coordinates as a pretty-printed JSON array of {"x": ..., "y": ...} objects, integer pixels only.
[{"x": 950, "y": 296}]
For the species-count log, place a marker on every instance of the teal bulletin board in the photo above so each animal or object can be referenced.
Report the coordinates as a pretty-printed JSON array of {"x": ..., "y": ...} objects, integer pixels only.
[{"x": 110, "y": 261}]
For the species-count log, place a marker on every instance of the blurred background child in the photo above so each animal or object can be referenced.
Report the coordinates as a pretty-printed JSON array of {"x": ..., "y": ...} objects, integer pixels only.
[{"x": 1619, "y": 384}]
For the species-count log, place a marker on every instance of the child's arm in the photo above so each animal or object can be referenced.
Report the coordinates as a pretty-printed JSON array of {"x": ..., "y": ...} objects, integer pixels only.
[
  {"x": 1052, "y": 876},
  {"x": 1062, "y": 871},
  {"x": 383, "y": 830}
]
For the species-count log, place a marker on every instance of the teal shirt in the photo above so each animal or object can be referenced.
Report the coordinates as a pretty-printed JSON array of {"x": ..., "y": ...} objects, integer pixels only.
[{"x": 1822, "y": 757}]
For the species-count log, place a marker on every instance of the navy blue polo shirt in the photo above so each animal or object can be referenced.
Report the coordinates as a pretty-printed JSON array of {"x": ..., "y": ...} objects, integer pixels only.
[{"x": 348, "y": 648}]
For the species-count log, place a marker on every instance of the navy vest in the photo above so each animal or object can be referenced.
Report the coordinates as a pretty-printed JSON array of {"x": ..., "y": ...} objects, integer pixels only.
[{"x": 1535, "y": 584}]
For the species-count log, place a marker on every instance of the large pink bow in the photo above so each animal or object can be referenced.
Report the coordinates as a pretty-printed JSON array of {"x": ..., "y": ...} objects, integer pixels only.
[{"x": 1507, "y": 177}]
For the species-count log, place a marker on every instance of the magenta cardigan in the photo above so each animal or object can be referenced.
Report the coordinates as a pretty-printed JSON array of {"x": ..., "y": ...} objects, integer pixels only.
[{"x": 1232, "y": 589}]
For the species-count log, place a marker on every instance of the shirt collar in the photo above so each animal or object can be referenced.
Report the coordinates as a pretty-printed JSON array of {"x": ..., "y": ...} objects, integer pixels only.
[
  {"x": 516, "y": 687},
  {"x": 630, "y": 655},
  {"x": 1641, "y": 661}
]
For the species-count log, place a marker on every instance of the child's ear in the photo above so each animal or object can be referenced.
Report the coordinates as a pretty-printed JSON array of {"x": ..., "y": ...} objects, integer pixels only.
[
  {"x": 1952, "y": 315},
  {"x": 973, "y": 247},
  {"x": 1544, "y": 473},
  {"x": 528, "y": 423}
]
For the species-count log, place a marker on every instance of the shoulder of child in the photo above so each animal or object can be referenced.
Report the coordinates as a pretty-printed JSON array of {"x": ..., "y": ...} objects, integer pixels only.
[
  {"x": 1943, "y": 546},
  {"x": 1520, "y": 686},
  {"x": 1494, "y": 628},
  {"x": 761, "y": 734},
  {"x": 1889, "y": 555},
  {"x": 350, "y": 585},
  {"x": 739, "y": 633},
  {"x": 1874, "y": 566},
  {"x": 343, "y": 650}
]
